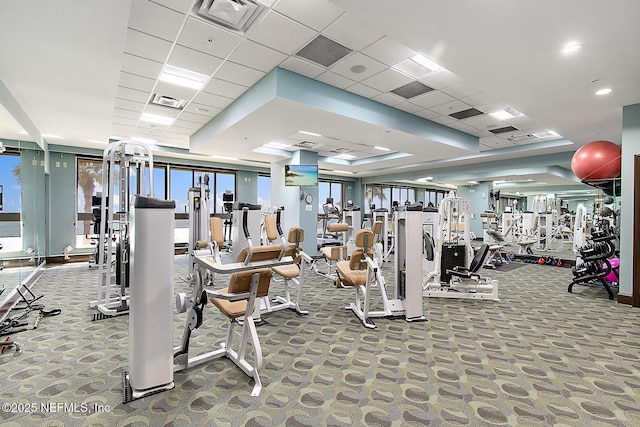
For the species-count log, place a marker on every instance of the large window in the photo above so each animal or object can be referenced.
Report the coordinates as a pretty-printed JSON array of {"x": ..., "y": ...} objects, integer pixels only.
[
  {"x": 387, "y": 196},
  {"x": 10, "y": 202},
  {"x": 264, "y": 191},
  {"x": 329, "y": 189},
  {"x": 174, "y": 185}
]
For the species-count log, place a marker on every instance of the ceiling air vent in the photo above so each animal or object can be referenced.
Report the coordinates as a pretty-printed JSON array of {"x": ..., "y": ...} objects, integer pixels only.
[
  {"x": 305, "y": 144},
  {"x": 167, "y": 101},
  {"x": 465, "y": 114},
  {"x": 235, "y": 15},
  {"x": 323, "y": 51},
  {"x": 503, "y": 129},
  {"x": 411, "y": 90}
]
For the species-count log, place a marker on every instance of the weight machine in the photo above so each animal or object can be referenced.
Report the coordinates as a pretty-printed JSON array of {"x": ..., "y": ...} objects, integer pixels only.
[
  {"x": 382, "y": 215},
  {"x": 122, "y": 162},
  {"x": 453, "y": 276},
  {"x": 239, "y": 237},
  {"x": 199, "y": 231}
]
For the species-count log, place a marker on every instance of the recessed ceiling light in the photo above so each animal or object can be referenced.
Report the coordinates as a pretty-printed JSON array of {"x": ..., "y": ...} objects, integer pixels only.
[
  {"x": 382, "y": 148},
  {"x": 358, "y": 69},
  {"x": 506, "y": 114},
  {"x": 276, "y": 145},
  {"x": 426, "y": 62},
  {"x": 339, "y": 171},
  {"x": 224, "y": 157},
  {"x": 427, "y": 178},
  {"x": 473, "y": 182},
  {"x": 604, "y": 91},
  {"x": 545, "y": 134},
  {"x": 48, "y": 135},
  {"x": 182, "y": 77},
  {"x": 157, "y": 119},
  {"x": 345, "y": 156},
  {"x": 570, "y": 48},
  {"x": 202, "y": 110},
  {"x": 309, "y": 133}
]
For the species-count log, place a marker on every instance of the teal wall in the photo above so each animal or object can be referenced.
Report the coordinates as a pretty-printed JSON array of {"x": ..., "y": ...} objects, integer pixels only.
[
  {"x": 478, "y": 197},
  {"x": 630, "y": 149},
  {"x": 62, "y": 202},
  {"x": 247, "y": 185}
]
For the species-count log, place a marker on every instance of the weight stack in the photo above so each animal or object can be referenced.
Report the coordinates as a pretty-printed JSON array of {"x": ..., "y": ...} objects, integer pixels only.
[{"x": 452, "y": 256}]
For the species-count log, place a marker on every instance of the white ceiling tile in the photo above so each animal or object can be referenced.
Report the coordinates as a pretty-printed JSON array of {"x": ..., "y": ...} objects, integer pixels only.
[
  {"x": 119, "y": 112},
  {"x": 351, "y": 32},
  {"x": 236, "y": 73},
  {"x": 124, "y": 121},
  {"x": 344, "y": 66},
  {"x": 132, "y": 94},
  {"x": 207, "y": 38},
  {"x": 477, "y": 132},
  {"x": 197, "y": 118},
  {"x": 184, "y": 124},
  {"x": 478, "y": 100},
  {"x": 156, "y": 20},
  {"x": 174, "y": 91},
  {"x": 334, "y": 79},
  {"x": 151, "y": 128},
  {"x": 224, "y": 88},
  {"x": 388, "y": 51},
  {"x": 147, "y": 46},
  {"x": 450, "y": 107},
  {"x": 426, "y": 114},
  {"x": 194, "y": 60},
  {"x": 316, "y": 14},
  {"x": 212, "y": 100},
  {"x": 129, "y": 105},
  {"x": 133, "y": 81},
  {"x": 281, "y": 33},
  {"x": 443, "y": 120},
  {"x": 441, "y": 79},
  {"x": 459, "y": 126},
  {"x": 388, "y": 99},
  {"x": 178, "y": 132},
  {"x": 408, "y": 107},
  {"x": 495, "y": 142},
  {"x": 362, "y": 90},
  {"x": 483, "y": 121},
  {"x": 160, "y": 110},
  {"x": 254, "y": 55},
  {"x": 387, "y": 80},
  {"x": 460, "y": 90},
  {"x": 122, "y": 130},
  {"x": 140, "y": 66},
  {"x": 182, "y": 6},
  {"x": 302, "y": 67},
  {"x": 196, "y": 108},
  {"x": 431, "y": 99}
]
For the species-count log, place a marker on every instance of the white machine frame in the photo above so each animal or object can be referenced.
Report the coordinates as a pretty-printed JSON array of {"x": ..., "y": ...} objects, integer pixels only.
[
  {"x": 247, "y": 336},
  {"x": 111, "y": 297}
]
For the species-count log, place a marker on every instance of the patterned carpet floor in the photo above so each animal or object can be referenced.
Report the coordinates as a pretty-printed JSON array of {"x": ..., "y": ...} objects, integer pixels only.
[{"x": 538, "y": 357}]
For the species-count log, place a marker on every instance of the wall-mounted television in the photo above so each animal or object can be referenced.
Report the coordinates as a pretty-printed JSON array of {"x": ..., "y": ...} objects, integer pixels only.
[{"x": 301, "y": 175}]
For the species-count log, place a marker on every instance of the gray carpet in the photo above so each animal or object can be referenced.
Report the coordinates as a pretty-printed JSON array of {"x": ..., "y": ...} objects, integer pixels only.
[{"x": 538, "y": 357}]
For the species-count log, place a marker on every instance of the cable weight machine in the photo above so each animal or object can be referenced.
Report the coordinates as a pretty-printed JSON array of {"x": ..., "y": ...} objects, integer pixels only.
[{"x": 122, "y": 162}]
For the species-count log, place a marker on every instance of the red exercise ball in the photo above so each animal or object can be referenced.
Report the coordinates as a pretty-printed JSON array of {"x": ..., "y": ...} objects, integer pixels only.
[{"x": 597, "y": 161}]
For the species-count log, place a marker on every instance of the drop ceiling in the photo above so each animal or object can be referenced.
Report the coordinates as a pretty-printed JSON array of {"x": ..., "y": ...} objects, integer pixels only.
[{"x": 86, "y": 71}]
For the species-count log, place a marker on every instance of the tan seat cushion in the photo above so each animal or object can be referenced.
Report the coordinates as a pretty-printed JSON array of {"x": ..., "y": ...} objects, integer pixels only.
[
  {"x": 288, "y": 271},
  {"x": 351, "y": 277},
  {"x": 239, "y": 283},
  {"x": 260, "y": 253},
  {"x": 334, "y": 253}
]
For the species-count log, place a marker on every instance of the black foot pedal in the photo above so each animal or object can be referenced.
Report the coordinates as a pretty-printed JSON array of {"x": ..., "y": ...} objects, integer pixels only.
[{"x": 100, "y": 316}]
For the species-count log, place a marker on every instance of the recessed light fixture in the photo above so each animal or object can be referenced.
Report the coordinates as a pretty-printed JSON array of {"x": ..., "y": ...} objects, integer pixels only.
[
  {"x": 427, "y": 178},
  {"x": 473, "y": 182},
  {"x": 48, "y": 135},
  {"x": 417, "y": 66},
  {"x": 182, "y": 77},
  {"x": 357, "y": 69},
  {"x": 309, "y": 133},
  {"x": 157, "y": 119},
  {"x": 604, "y": 91},
  {"x": 545, "y": 134},
  {"x": 340, "y": 171},
  {"x": 570, "y": 48},
  {"x": 202, "y": 110},
  {"x": 345, "y": 156},
  {"x": 382, "y": 148},
  {"x": 276, "y": 145},
  {"x": 506, "y": 114}
]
